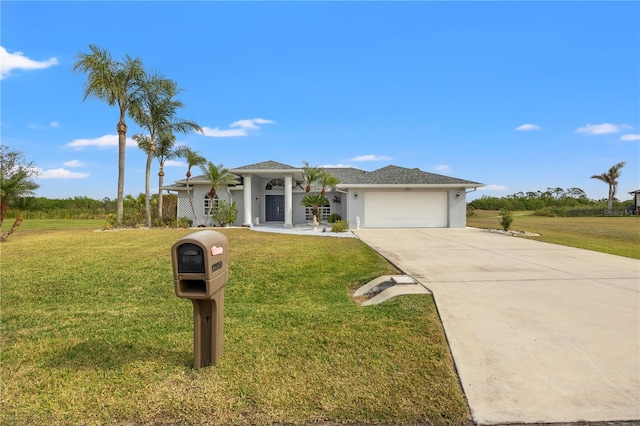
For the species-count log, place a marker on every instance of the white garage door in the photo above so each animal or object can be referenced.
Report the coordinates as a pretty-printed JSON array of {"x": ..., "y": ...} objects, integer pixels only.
[{"x": 406, "y": 209}]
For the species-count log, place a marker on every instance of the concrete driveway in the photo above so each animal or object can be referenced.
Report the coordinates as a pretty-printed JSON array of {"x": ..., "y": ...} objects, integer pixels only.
[{"x": 539, "y": 332}]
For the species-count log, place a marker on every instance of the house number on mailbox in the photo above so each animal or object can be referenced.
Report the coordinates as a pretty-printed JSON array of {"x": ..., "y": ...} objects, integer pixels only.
[{"x": 216, "y": 266}]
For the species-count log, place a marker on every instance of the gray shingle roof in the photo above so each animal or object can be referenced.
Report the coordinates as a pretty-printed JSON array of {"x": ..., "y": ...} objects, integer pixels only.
[
  {"x": 395, "y": 175},
  {"x": 389, "y": 175},
  {"x": 265, "y": 165},
  {"x": 345, "y": 174}
]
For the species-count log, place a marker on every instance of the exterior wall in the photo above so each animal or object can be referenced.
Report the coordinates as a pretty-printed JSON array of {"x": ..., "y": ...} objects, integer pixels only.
[
  {"x": 338, "y": 201},
  {"x": 457, "y": 208},
  {"x": 198, "y": 194},
  {"x": 354, "y": 201}
]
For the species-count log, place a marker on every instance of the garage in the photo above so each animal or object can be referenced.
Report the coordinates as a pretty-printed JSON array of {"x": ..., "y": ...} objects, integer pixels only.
[{"x": 406, "y": 209}]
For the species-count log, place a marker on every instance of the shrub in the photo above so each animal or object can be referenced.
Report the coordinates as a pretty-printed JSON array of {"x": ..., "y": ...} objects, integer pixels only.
[
  {"x": 225, "y": 213},
  {"x": 184, "y": 222},
  {"x": 505, "y": 219},
  {"x": 340, "y": 226},
  {"x": 333, "y": 217},
  {"x": 544, "y": 213}
]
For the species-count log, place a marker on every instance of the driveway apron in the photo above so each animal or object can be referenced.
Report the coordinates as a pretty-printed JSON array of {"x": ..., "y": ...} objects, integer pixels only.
[{"x": 538, "y": 332}]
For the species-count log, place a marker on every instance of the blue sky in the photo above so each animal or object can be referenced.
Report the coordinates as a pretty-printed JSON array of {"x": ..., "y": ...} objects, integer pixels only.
[{"x": 520, "y": 96}]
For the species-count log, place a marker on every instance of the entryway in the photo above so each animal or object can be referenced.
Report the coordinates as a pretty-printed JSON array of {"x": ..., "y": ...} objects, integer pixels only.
[{"x": 274, "y": 208}]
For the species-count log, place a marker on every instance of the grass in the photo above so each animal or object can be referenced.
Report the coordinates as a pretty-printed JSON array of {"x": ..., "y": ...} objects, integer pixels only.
[
  {"x": 92, "y": 333},
  {"x": 53, "y": 224},
  {"x": 614, "y": 235}
]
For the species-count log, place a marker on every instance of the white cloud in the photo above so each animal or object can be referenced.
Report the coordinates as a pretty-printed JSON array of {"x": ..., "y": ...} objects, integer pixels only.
[
  {"x": 60, "y": 174},
  {"x": 371, "y": 157},
  {"x": 174, "y": 163},
  {"x": 251, "y": 123},
  {"x": 74, "y": 163},
  {"x": 528, "y": 127},
  {"x": 217, "y": 133},
  {"x": 443, "y": 168},
  {"x": 602, "y": 129},
  {"x": 39, "y": 126},
  {"x": 630, "y": 137},
  {"x": 493, "y": 188},
  {"x": 102, "y": 142},
  {"x": 242, "y": 128},
  {"x": 17, "y": 60}
]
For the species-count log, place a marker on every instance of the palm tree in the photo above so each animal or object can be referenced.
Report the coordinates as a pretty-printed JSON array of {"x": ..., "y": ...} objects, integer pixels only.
[
  {"x": 193, "y": 158},
  {"x": 611, "y": 178},
  {"x": 154, "y": 109},
  {"x": 116, "y": 83},
  {"x": 144, "y": 143},
  {"x": 314, "y": 201},
  {"x": 219, "y": 177},
  {"x": 327, "y": 181},
  {"x": 311, "y": 175},
  {"x": 164, "y": 151},
  {"x": 15, "y": 181}
]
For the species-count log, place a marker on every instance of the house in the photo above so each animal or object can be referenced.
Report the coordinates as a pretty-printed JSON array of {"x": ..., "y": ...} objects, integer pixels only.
[
  {"x": 636, "y": 200},
  {"x": 390, "y": 197}
]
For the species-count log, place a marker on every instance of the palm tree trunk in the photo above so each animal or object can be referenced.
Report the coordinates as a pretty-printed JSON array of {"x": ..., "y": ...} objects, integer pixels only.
[
  {"x": 193, "y": 210},
  {"x": 4, "y": 208},
  {"x": 122, "y": 143},
  {"x": 17, "y": 223},
  {"x": 160, "y": 184},
  {"x": 147, "y": 190},
  {"x": 610, "y": 200}
]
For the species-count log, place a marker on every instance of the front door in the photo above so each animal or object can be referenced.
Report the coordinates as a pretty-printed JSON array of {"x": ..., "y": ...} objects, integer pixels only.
[{"x": 274, "y": 208}]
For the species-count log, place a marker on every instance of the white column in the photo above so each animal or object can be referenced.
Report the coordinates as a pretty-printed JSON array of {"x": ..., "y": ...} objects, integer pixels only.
[
  {"x": 247, "y": 200},
  {"x": 288, "y": 201}
]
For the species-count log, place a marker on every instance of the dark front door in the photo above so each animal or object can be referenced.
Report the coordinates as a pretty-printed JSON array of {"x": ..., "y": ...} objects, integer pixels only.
[{"x": 275, "y": 208}]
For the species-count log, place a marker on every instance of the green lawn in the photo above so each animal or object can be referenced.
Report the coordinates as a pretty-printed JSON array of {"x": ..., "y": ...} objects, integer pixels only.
[
  {"x": 614, "y": 235},
  {"x": 92, "y": 333},
  {"x": 53, "y": 224}
]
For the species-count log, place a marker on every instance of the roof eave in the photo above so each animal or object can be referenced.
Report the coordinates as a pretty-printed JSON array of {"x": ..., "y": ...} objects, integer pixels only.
[{"x": 411, "y": 185}]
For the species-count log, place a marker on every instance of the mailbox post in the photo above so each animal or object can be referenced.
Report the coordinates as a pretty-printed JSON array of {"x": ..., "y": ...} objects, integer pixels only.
[{"x": 200, "y": 272}]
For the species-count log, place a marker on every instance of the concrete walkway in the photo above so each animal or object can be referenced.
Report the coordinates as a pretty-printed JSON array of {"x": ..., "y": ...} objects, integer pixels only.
[{"x": 539, "y": 332}]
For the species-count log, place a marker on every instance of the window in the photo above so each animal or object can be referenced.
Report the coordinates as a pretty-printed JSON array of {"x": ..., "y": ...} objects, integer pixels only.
[
  {"x": 210, "y": 204},
  {"x": 323, "y": 212},
  {"x": 275, "y": 184}
]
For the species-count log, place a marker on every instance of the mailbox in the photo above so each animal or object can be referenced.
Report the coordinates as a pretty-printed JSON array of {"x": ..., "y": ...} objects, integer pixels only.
[
  {"x": 200, "y": 272},
  {"x": 200, "y": 264}
]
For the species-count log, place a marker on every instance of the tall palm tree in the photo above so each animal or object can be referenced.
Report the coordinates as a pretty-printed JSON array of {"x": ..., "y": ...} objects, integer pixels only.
[
  {"x": 311, "y": 175},
  {"x": 610, "y": 177},
  {"x": 154, "y": 110},
  {"x": 219, "y": 177},
  {"x": 116, "y": 83},
  {"x": 193, "y": 158}
]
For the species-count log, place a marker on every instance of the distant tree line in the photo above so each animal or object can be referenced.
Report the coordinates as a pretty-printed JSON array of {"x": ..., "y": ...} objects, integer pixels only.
[
  {"x": 553, "y": 201},
  {"x": 88, "y": 208}
]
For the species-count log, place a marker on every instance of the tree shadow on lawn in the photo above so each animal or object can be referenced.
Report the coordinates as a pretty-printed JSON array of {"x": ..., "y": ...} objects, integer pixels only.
[{"x": 101, "y": 354}]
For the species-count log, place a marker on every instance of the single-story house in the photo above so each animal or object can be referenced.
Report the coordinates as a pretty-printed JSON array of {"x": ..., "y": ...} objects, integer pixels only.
[
  {"x": 636, "y": 200},
  {"x": 390, "y": 197}
]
